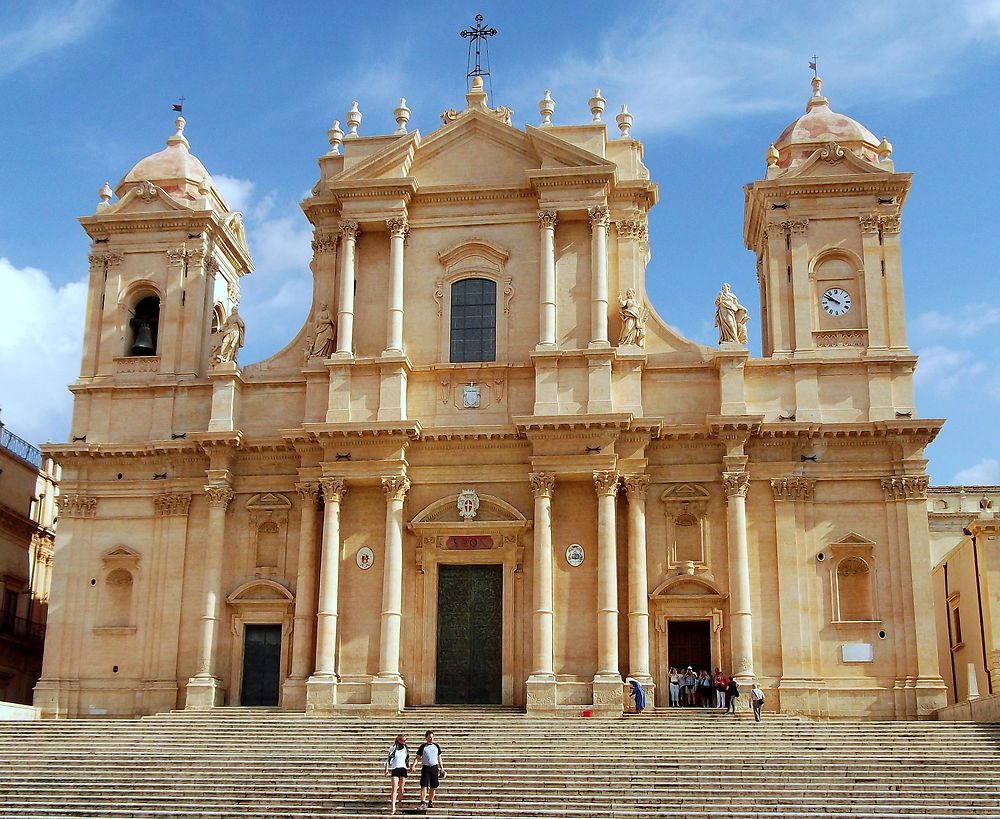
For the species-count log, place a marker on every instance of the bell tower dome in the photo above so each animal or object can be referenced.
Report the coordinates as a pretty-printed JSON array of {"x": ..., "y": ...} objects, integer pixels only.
[
  {"x": 165, "y": 263},
  {"x": 824, "y": 223}
]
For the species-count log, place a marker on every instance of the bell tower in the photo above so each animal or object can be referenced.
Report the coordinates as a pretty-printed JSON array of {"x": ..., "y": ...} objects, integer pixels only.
[
  {"x": 824, "y": 224},
  {"x": 165, "y": 264}
]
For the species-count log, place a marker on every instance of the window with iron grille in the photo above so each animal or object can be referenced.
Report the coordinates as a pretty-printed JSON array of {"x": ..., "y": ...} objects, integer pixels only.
[{"x": 473, "y": 320}]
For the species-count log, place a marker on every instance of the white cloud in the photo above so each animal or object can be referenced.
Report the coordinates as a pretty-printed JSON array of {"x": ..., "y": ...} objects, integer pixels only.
[
  {"x": 58, "y": 26},
  {"x": 945, "y": 369},
  {"x": 984, "y": 473},
  {"x": 236, "y": 192},
  {"x": 669, "y": 70},
  {"x": 968, "y": 321},
  {"x": 41, "y": 332}
]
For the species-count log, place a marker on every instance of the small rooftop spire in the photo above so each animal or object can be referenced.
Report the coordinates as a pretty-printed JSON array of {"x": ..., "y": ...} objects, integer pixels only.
[
  {"x": 817, "y": 97},
  {"x": 178, "y": 138},
  {"x": 478, "y": 37}
]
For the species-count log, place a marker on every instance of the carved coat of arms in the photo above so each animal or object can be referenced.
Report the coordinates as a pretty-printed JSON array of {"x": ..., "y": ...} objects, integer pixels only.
[{"x": 468, "y": 504}]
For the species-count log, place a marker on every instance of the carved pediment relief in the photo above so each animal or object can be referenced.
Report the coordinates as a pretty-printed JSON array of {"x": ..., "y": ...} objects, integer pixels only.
[
  {"x": 269, "y": 500},
  {"x": 677, "y": 492},
  {"x": 833, "y": 159},
  {"x": 853, "y": 539},
  {"x": 145, "y": 198},
  {"x": 120, "y": 556}
]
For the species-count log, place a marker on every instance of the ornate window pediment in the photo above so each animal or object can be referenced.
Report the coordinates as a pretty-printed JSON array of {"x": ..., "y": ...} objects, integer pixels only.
[{"x": 686, "y": 509}]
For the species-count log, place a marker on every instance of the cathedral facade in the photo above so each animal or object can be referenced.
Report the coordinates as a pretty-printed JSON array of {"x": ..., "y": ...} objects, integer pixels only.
[{"x": 485, "y": 470}]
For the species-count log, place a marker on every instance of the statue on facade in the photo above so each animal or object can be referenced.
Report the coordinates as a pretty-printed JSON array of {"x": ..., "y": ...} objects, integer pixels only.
[
  {"x": 324, "y": 332},
  {"x": 633, "y": 320},
  {"x": 730, "y": 317},
  {"x": 228, "y": 339}
]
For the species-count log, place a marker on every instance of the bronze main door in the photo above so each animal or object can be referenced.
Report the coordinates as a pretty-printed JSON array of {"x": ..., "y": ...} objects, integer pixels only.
[
  {"x": 469, "y": 634},
  {"x": 689, "y": 643}
]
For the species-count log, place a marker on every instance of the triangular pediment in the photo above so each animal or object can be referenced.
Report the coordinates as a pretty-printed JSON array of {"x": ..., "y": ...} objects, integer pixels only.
[
  {"x": 145, "y": 198},
  {"x": 121, "y": 552},
  {"x": 269, "y": 500},
  {"x": 853, "y": 539},
  {"x": 558, "y": 153},
  {"x": 832, "y": 160},
  {"x": 392, "y": 162},
  {"x": 685, "y": 492},
  {"x": 474, "y": 150}
]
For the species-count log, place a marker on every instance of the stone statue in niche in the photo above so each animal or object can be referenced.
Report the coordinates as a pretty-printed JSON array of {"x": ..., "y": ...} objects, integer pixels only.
[
  {"x": 324, "y": 333},
  {"x": 228, "y": 339},
  {"x": 633, "y": 320},
  {"x": 731, "y": 317}
]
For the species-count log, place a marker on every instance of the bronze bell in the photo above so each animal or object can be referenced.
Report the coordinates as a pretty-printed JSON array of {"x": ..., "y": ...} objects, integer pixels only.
[{"x": 143, "y": 344}]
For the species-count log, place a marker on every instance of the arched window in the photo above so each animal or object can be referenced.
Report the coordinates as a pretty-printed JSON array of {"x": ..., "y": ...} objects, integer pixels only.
[
  {"x": 854, "y": 589},
  {"x": 144, "y": 323},
  {"x": 218, "y": 318},
  {"x": 473, "y": 320}
]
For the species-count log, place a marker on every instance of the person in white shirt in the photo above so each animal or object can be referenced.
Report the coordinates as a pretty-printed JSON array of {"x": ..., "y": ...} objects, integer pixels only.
[
  {"x": 756, "y": 701},
  {"x": 431, "y": 769},
  {"x": 397, "y": 762}
]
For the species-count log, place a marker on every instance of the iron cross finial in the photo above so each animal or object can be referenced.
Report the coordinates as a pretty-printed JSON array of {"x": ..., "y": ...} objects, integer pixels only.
[{"x": 477, "y": 37}]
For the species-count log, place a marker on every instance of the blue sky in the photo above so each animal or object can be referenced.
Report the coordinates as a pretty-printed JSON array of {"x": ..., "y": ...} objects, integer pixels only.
[{"x": 87, "y": 86}]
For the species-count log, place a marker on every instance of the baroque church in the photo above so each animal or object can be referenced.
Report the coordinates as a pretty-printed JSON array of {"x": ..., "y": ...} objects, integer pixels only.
[{"x": 485, "y": 470}]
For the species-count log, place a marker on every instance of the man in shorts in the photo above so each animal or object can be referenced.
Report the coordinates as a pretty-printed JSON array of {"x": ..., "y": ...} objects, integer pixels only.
[{"x": 431, "y": 770}]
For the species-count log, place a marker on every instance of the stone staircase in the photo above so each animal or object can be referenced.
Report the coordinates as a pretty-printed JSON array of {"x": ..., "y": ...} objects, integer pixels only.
[{"x": 268, "y": 764}]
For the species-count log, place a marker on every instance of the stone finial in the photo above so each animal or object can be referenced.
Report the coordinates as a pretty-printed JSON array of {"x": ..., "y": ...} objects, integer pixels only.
[
  {"x": 884, "y": 149},
  {"x": 546, "y": 107},
  {"x": 624, "y": 120},
  {"x": 336, "y": 137},
  {"x": 178, "y": 138},
  {"x": 597, "y": 103},
  {"x": 105, "y": 193},
  {"x": 817, "y": 97},
  {"x": 772, "y": 156},
  {"x": 203, "y": 188},
  {"x": 353, "y": 118},
  {"x": 402, "y": 115},
  {"x": 476, "y": 97}
]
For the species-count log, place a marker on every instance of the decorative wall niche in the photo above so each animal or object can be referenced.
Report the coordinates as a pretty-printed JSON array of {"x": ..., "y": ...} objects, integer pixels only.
[
  {"x": 116, "y": 603},
  {"x": 687, "y": 529},
  {"x": 853, "y": 580},
  {"x": 268, "y": 523}
]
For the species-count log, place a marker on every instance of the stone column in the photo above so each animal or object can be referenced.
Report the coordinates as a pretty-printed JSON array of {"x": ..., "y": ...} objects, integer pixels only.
[
  {"x": 322, "y": 685},
  {"x": 345, "y": 303},
  {"x": 398, "y": 228},
  {"x": 607, "y": 681},
  {"x": 304, "y": 629},
  {"x": 894, "y": 282},
  {"x": 636, "y": 487},
  {"x": 871, "y": 244},
  {"x": 547, "y": 281},
  {"x": 779, "y": 335},
  {"x": 542, "y": 682},
  {"x": 736, "y": 485},
  {"x": 388, "y": 689},
  {"x": 204, "y": 690},
  {"x": 599, "y": 276},
  {"x": 802, "y": 294}
]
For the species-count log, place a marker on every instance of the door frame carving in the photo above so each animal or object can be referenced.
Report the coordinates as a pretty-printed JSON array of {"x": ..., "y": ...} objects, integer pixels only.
[{"x": 272, "y": 605}]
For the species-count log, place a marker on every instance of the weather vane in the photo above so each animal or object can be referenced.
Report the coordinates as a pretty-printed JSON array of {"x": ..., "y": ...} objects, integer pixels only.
[
  {"x": 812, "y": 65},
  {"x": 477, "y": 37}
]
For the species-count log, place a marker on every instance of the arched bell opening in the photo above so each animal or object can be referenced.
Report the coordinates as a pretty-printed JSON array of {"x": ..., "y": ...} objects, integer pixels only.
[{"x": 145, "y": 326}]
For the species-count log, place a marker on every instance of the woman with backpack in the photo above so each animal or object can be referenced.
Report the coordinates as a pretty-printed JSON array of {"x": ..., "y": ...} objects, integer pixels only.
[
  {"x": 397, "y": 763},
  {"x": 732, "y": 693}
]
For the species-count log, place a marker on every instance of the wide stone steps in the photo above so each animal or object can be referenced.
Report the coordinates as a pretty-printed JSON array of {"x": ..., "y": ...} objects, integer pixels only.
[{"x": 257, "y": 763}]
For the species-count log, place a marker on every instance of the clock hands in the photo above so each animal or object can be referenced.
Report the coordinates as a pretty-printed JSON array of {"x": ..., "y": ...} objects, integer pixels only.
[{"x": 828, "y": 297}]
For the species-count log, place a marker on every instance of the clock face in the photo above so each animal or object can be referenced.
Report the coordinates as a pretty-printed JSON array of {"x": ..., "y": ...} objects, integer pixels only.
[{"x": 835, "y": 301}]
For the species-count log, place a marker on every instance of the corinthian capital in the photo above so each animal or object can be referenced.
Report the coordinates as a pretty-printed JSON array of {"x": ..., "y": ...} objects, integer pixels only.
[
  {"x": 905, "y": 487},
  {"x": 890, "y": 224},
  {"x": 606, "y": 483},
  {"x": 547, "y": 218},
  {"x": 398, "y": 227},
  {"x": 166, "y": 505},
  {"x": 736, "y": 484},
  {"x": 869, "y": 224},
  {"x": 324, "y": 242},
  {"x": 334, "y": 489},
  {"x": 76, "y": 506},
  {"x": 308, "y": 491},
  {"x": 636, "y": 486},
  {"x": 349, "y": 229},
  {"x": 793, "y": 488},
  {"x": 542, "y": 484},
  {"x": 797, "y": 227},
  {"x": 219, "y": 495},
  {"x": 599, "y": 218},
  {"x": 396, "y": 487},
  {"x": 632, "y": 229}
]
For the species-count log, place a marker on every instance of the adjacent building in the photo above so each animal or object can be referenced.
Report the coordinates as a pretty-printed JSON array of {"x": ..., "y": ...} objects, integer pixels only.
[
  {"x": 485, "y": 470},
  {"x": 28, "y": 490}
]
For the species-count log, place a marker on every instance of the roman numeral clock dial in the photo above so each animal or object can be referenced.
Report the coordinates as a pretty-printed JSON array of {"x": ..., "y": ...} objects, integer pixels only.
[{"x": 835, "y": 301}]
